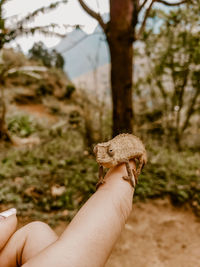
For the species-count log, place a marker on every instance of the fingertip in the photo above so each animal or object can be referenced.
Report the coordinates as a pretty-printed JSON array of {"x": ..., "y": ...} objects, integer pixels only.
[
  {"x": 8, "y": 226},
  {"x": 8, "y": 219},
  {"x": 8, "y": 213}
]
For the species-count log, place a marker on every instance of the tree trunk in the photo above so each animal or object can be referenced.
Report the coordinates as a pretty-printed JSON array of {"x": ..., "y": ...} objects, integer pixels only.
[
  {"x": 4, "y": 135},
  {"x": 177, "y": 139},
  {"x": 120, "y": 36},
  {"x": 121, "y": 52}
]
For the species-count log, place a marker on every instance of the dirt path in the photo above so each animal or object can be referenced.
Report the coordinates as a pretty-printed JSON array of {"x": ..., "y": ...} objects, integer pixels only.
[{"x": 158, "y": 235}]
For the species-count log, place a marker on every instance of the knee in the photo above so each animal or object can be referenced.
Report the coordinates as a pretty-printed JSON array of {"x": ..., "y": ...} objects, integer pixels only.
[
  {"x": 33, "y": 238},
  {"x": 38, "y": 227}
]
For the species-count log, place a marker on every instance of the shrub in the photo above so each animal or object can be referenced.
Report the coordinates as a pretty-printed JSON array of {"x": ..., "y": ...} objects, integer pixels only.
[{"x": 21, "y": 126}]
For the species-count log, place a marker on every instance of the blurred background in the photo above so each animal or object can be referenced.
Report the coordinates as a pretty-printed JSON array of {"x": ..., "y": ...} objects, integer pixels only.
[{"x": 74, "y": 73}]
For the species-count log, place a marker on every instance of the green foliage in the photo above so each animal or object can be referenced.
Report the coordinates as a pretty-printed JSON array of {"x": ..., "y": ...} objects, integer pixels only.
[
  {"x": 53, "y": 83},
  {"x": 13, "y": 58},
  {"x": 59, "y": 174},
  {"x": 19, "y": 27},
  {"x": 27, "y": 177},
  {"x": 173, "y": 72},
  {"x": 21, "y": 126},
  {"x": 171, "y": 173},
  {"x": 70, "y": 88},
  {"x": 49, "y": 58},
  {"x": 44, "y": 89}
]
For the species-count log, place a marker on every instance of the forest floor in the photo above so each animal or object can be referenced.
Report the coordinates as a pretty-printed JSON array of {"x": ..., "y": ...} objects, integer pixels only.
[{"x": 157, "y": 234}]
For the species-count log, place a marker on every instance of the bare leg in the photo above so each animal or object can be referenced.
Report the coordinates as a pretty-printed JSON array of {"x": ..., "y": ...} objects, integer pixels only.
[
  {"x": 131, "y": 177},
  {"x": 101, "y": 179},
  {"x": 26, "y": 243}
]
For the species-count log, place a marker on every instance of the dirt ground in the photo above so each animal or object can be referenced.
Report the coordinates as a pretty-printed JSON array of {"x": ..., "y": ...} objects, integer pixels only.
[{"x": 157, "y": 235}]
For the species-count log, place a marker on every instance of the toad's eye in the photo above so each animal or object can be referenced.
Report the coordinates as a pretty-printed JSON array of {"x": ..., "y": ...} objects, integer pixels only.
[{"x": 110, "y": 152}]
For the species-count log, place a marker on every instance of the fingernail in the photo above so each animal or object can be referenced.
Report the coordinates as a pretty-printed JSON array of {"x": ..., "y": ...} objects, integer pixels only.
[{"x": 7, "y": 213}]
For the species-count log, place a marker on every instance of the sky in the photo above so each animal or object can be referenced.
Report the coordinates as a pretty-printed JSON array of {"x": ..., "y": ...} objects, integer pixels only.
[{"x": 68, "y": 14}]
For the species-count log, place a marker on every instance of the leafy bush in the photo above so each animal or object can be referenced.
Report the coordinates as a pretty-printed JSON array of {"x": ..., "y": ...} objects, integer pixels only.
[
  {"x": 171, "y": 173},
  {"x": 70, "y": 88},
  {"x": 50, "y": 58},
  {"x": 54, "y": 82},
  {"x": 28, "y": 176},
  {"x": 21, "y": 126}
]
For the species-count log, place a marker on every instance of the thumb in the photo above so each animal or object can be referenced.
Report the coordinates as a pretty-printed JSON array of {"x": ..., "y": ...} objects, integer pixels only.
[{"x": 8, "y": 224}]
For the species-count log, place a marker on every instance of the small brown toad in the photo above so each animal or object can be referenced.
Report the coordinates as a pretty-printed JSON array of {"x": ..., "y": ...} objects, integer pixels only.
[{"x": 121, "y": 149}]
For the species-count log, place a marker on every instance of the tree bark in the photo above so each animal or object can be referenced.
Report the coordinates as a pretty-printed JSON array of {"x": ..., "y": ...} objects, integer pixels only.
[
  {"x": 4, "y": 135},
  {"x": 121, "y": 52},
  {"x": 120, "y": 36}
]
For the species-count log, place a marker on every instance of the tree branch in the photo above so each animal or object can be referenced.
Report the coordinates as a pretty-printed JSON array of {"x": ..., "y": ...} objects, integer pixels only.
[
  {"x": 47, "y": 30},
  {"x": 93, "y": 14},
  {"x": 145, "y": 19},
  {"x": 143, "y": 4},
  {"x": 190, "y": 110},
  {"x": 76, "y": 43},
  {"x": 149, "y": 9},
  {"x": 171, "y": 4},
  {"x": 46, "y": 9}
]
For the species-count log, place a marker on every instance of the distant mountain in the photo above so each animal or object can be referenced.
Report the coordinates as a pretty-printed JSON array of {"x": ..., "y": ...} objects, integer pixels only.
[{"x": 83, "y": 52}]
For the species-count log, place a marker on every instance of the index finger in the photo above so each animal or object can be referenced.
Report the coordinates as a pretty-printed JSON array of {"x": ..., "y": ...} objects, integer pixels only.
[{"x": 90, "y": 237}]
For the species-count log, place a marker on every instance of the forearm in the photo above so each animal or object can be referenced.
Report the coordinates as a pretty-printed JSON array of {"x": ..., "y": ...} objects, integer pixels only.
[{"x": 90, "y": 237}]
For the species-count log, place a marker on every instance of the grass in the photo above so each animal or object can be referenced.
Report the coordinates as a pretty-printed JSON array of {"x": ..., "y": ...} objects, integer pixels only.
[
  {"x": 171, "y": 173},
  {"x": 54, "y": 179},
  {"x": 22, "y": 125},
  {"x": 27, "y": 176}
]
